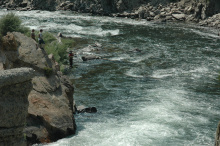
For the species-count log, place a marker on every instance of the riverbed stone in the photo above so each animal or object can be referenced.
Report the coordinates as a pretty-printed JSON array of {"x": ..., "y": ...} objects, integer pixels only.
[{"x": 179, "y": 16}]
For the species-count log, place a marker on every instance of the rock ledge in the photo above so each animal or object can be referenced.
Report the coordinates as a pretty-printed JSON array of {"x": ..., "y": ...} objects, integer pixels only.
[{"x": 14, "y": 76}]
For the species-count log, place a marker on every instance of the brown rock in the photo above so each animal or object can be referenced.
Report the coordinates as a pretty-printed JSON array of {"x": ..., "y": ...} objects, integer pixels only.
[
  {"x": 14, "y": 104},
  {"x": 217, "y": 136},
  {"x": 51, "y": 100}
]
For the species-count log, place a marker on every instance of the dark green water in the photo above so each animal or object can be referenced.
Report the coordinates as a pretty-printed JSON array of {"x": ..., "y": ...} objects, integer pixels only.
[{"x": 165, "y": 95}]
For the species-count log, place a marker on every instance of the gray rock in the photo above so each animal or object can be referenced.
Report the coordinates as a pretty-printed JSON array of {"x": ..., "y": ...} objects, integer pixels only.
[
  {"x": 51, "y": 99},
  {"x": 90, "y": 57},
  {"x": 179, "y": 16},
  {"x": 83, "y": 109},
  {"x": 168, "y": 17},
  {"x": 15, "y": 86},
  {"x": 152, "y": 14},
  {"x": 189, "y": 10},
  {"x": 23, "y": 4},
  {"x": 157, "y": 17},
  {"x": 203, "y": 15},
  {"x": 14, "y": 76}
]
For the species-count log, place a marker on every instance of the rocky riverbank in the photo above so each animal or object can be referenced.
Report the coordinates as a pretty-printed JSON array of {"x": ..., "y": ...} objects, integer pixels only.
[
  {"x": 51, "y": 105},
  {"x": 203, "y": 12},
  {"x": 200, "y": 12}
]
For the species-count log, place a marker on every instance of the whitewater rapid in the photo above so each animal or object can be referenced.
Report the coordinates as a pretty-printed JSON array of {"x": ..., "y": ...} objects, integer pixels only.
[{"x": 167, "y": 94}]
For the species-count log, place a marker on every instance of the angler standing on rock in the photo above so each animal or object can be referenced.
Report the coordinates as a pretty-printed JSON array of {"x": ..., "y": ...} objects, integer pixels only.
[
  {"x": 71, "y": 58},
  {"x": 40, "y": 39},
  {"x": 33, "y": 34}
]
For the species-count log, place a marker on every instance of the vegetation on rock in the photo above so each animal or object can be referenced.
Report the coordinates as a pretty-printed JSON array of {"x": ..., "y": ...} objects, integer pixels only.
[
  {"x": 59, "y": 121},
  {"x": 10, "y": 22},
  {"x": 48, "y": 71},
  {"x": 58, "y": 49}
]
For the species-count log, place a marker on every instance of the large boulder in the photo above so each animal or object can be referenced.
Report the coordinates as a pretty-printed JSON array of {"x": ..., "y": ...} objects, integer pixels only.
[
  {"x": 217, "y": 136},
  {"x": 14, "y": 104},
  {"x": 51, "y": 104},
  {"x": 179, "y": 16}
]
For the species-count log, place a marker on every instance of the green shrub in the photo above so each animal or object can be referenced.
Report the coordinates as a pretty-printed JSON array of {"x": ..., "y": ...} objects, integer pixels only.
[
  {"x": 10, "y": 23},
  {"x": 69, "y": 42},
  {"x": 58, "y": 50},
  {"x": 48, "y": 37},
  {"x": 24, "y": 30}
]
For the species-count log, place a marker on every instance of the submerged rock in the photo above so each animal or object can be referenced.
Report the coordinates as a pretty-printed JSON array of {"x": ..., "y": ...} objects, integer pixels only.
[
  {"x": 83, "y": 109},
  {"x": 91, "y": 57}
]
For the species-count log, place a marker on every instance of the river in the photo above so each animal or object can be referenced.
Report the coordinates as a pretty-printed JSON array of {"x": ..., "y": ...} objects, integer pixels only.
[{"x": 166, "y": 94}]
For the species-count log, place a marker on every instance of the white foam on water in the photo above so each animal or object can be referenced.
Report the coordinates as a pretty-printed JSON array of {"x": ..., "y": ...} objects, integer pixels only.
[
  {"x": 132, "y": 134},
  {"x": 119, "y": 58},
  {"x": 99, "y": 32},
  {"x": 198, "y": 72},
  {"x": 152, "y": 123},
  {"x": 173, "y": 108},
  {"x": 121, "y": 21},
  {"x": 165, "y": 112},
  {"x": 133, "y": 73},
  {"x": 205, "y": 34},
  {"x": 163, "y": 73},
  {"x": 37, "y": 14},
  {"x": 137, "y": 59},
  {"x": 71, "y": 29}
]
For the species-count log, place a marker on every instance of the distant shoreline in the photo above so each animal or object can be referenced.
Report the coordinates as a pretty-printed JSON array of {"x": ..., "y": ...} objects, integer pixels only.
[{"x": 172, "y": 12}]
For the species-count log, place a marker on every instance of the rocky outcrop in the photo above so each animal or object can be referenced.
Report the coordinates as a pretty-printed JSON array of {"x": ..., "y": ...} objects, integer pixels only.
[
  {"x": 90, "y": 57},
  {"x": 83, "y": 109},
  {"x": 24, "y": 5},
  {"x": 157, "y": 10},
  {"x": 14, "y": 104},
  {"x": 51, "y": 105},
  {"x": 217, "y": 136},
  {"x": 213, "y": 21}
]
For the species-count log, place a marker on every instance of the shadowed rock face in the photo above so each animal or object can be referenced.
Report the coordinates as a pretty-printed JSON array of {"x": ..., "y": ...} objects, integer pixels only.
[
  {"x": 50, "y": 110},
  {"x": 14, "y": 104},
  {"x": 217, "y": 136},
  {"x": 104, "y": 7}
]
